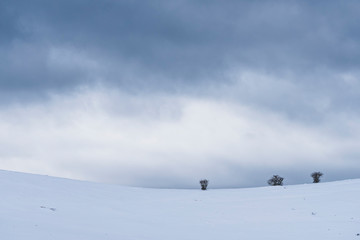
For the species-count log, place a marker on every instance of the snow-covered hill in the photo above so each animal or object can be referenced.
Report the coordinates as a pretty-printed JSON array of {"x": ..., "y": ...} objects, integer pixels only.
[{"x": 34, "y": 207}]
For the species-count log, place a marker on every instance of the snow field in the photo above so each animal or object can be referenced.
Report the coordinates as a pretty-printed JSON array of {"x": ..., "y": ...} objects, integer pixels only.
[{"x": 37, "y": 207}]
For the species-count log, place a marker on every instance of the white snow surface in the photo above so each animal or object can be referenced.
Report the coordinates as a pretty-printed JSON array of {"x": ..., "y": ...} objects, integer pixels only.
[{"x": 35, "y": 207}]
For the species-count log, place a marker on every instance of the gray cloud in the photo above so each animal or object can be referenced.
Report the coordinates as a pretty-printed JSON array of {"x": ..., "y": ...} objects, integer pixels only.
[
  {"x": 170, "y": 141},
  {"x": 187, "y": 41},
  {"x": 187, "y": 69}
]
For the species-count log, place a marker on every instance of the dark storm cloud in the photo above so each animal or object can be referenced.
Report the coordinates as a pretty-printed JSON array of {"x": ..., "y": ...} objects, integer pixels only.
[{"x": 181, "y": 43}]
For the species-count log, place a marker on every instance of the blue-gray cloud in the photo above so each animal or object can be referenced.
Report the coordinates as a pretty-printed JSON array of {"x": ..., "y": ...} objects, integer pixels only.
[
  {"x": 298, "y": 60},
  {"x": 181, "y": 42}
]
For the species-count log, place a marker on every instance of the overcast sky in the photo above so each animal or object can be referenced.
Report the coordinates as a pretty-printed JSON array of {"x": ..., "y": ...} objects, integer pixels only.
[{"x": 164, "y": 93}]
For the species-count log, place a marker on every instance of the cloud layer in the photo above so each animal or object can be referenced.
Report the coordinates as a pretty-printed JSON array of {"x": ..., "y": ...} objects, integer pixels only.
[
  {"x": 167, "y": 141},
  {"x": 162, "y": 93}
]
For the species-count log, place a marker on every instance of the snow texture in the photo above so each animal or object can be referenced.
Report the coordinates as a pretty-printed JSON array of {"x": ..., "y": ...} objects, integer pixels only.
[{"x": 34, "y": 207}]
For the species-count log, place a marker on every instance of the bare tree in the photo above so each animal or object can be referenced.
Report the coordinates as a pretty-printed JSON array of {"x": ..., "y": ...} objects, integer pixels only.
[
  {"x": 204, "y": 184},
  {"x": 276, "y": 180},
  {"x": 316, "y": 176}
]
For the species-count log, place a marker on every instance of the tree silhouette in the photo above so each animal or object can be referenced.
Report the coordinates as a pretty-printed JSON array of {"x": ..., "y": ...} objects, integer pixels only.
[
  {"x": 204, "y": 184},
  {"x": 316, "y": 176},
  {"x": 276, "y": 180}
]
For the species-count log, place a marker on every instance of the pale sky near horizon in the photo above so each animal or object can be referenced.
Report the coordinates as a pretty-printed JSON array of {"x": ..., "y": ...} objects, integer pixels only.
[{"x": 164, "y": 93}]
